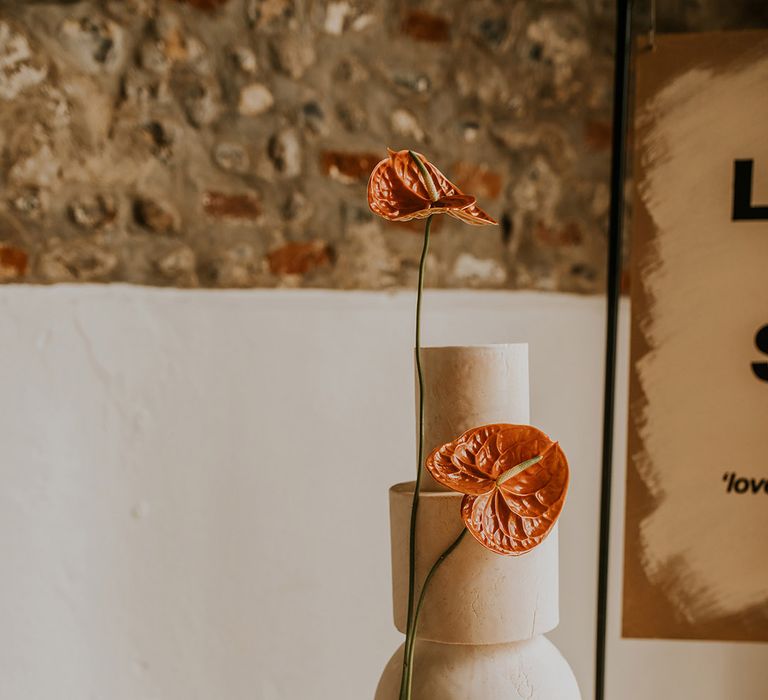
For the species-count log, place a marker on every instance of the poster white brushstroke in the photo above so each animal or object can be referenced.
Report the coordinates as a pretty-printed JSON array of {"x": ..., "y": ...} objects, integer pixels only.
[{"x": 697, "y": 518}]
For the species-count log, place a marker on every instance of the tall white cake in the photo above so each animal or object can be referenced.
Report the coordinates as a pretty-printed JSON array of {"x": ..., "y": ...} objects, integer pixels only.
[{"x": 480, "y": 634}]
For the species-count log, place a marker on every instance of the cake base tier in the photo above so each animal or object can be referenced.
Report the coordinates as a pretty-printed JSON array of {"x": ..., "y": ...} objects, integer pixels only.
[{"x": 533, "y": 669}]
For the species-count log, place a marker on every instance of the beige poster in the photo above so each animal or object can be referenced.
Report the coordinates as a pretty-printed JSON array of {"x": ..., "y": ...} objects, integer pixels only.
[{"x": 696, "y": 539}]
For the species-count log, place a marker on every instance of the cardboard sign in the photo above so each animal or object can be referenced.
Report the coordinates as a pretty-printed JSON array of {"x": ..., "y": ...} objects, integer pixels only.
[{"x": 696, "y": 535}]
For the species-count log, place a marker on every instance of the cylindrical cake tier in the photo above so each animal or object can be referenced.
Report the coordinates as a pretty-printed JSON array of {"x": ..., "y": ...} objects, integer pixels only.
[
  {"x": 532, "y": 669},
  {"x": 469, "y": 386},
  {"x": 476, "y": 596}
]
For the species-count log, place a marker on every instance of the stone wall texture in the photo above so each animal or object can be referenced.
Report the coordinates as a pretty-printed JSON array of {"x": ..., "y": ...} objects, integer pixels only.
[{"x": 226, "y": 143}]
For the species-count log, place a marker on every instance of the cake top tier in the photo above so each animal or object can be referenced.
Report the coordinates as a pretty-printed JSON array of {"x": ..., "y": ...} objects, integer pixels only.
[{"x": 470, "y": 385}]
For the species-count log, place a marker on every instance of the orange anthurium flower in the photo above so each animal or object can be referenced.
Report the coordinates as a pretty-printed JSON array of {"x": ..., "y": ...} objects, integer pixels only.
[
  {"x": 400, "y": 190},
  {"x": 514, "y": 479}
]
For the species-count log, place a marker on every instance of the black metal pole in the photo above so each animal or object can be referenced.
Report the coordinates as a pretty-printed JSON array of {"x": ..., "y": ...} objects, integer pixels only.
[{"x": 618, "y": 169}]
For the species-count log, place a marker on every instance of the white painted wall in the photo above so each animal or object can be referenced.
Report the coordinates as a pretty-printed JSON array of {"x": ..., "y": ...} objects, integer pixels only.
[{"x": 193, "y": 491}]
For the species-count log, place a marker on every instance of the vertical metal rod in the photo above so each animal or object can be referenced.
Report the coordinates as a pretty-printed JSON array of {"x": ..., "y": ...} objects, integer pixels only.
[{"x": 616, "y": 220}]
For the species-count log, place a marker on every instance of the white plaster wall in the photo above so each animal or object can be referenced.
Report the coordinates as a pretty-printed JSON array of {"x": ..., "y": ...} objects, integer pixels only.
[{"x": 193, "y": 491}]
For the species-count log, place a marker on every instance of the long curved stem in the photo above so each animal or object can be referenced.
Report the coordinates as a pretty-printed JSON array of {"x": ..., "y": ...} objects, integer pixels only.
[
  {"x": 409, "y": 648},
  {"x": 410, "y": 638},
  {"x": 410, "y": 623}
]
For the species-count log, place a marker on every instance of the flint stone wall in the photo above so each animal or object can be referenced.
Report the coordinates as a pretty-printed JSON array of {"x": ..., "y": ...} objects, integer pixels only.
[{"x": 226, "y": 143}]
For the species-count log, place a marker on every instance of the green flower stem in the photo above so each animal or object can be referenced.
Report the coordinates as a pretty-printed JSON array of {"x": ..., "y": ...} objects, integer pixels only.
[
  {"x": 409, "y": 648},
  {"x": 404, "y": 689},
  {"x": 406, "y": 682}
]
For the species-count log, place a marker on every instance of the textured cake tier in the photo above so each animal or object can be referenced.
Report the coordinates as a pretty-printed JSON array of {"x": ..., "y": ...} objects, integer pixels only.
[
  {"x": 469, "y": 386},
  {"x": 476, "y": 596},
  {"x": 532, "y": 669}
]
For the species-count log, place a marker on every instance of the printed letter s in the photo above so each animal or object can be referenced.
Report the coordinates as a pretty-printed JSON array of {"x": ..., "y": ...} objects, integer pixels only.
[{"x": 761, "y": 341}]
